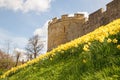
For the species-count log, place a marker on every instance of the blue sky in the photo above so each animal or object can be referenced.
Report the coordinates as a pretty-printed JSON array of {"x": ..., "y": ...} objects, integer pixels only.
[{"x": 21, "y": 19}]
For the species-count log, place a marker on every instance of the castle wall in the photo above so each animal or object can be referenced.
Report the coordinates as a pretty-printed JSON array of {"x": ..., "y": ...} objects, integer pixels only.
[
  {"x": 101, "y": 17},
  {"x": 67, "y": 28},
  {"x": 56, "y": 35},
  {"x": 93, "y": 21},
  {"x": 64, "y": 30}
]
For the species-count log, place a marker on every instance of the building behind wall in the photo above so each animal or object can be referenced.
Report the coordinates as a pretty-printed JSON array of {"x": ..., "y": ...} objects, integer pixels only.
[{"x": 68, "y": 28}]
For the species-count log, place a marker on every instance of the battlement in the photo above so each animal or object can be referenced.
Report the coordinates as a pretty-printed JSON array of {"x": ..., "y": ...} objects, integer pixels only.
[
  {"x": 112, "y": 4},
  {"x": 69, "y": 27},
  {"x": 67, "y": 17},
  {"x": 97, "y": 13},
  {"x": 64, "y": 17}
]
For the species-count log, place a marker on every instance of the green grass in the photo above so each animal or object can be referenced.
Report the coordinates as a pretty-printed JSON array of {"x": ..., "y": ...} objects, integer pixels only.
[{"x": 102, "y": 62}]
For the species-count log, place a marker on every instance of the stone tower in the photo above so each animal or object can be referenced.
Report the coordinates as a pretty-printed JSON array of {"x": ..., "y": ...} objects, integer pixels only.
[
  {"x": 65, "y": 29},
  {"x": 68, "y": 28}
]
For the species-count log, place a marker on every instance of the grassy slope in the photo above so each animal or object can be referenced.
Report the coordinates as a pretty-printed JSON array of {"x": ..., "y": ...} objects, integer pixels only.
[{"x": 101, "y": 62}]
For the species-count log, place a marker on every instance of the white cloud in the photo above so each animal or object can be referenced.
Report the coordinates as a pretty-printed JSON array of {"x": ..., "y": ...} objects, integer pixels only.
[
  {"x": 43, "y": 33},
  {"x": 22, "y": 51},
  {"x": 26, "y": 5}
]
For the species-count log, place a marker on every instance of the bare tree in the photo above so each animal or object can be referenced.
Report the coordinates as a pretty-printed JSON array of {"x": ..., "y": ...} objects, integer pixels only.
[
  {"x": 28, "y": 56},
  {"x": 7, "y": 49},
  {"x": 17, "y": 56},
  {"x": 35, "y": 45},
  {"x": 6, "y": 61}
]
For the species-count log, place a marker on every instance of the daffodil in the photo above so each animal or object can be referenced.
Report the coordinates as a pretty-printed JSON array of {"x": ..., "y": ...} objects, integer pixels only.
[
  {"x": 115, "y": 40},
  {"x": 84, "y": 61},
  {"x": 109, "y": 40},
  {"x": 118, "y": 46},
  {"x": 86, "y": 48},
  {"x": 51, "y": 59},
  {"x": 89, "y": 43}
]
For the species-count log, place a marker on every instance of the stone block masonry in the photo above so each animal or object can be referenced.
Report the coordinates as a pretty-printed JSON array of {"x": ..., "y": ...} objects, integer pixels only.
[{"x": 68, "y": 28}]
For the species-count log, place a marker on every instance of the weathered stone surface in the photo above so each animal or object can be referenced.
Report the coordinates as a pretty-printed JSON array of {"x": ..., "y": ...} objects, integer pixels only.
[{"x": 67, "y": 28}]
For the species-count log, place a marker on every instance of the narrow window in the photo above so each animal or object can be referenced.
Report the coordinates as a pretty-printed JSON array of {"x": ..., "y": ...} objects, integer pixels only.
[{"x": 64, "y": 28}]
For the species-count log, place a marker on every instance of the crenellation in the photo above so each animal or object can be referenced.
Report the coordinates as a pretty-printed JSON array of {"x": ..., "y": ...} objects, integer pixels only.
[
  {"x": 78, "y": 15},
  {"x": 64, "y": 17},
  {"x": 68, "y": 28},
  {"x": 109, "y": 5},
  {"x": 96, "y": 15},
  {"x": 113, "y": 5},
  {"x": 54, "y": 20}
]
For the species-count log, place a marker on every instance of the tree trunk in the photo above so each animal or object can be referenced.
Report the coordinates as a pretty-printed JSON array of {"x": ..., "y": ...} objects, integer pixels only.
[
  {"x": 17, "y": 59},
  {"x": 35, "y": 55}
]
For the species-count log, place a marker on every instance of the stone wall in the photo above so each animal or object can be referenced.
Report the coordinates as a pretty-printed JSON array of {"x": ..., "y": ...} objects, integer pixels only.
[
  {"x": 101, "y": 17},
  {"x": 67, "y": 28}
]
